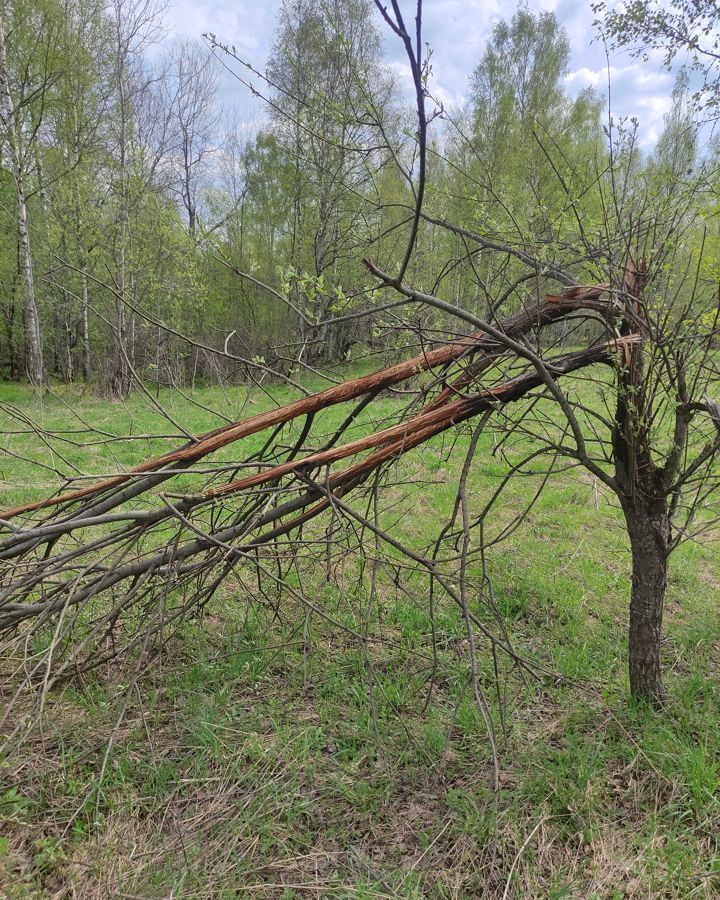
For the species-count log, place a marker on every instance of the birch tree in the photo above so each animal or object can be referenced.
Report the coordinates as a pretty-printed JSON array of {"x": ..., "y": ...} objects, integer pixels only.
[{"x": 24, "y": 89}]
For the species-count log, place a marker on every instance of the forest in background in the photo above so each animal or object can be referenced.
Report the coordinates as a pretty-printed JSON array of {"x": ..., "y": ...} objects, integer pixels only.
[
  {"x": 147, "y": 235},
  {"x": 360, "y": 469}
]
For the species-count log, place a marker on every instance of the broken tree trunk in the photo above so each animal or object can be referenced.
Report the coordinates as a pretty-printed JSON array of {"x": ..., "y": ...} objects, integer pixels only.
[{"x": 97, "y": 542}]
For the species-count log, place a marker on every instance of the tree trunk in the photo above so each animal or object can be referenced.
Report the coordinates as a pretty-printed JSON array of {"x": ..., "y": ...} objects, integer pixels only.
[
  {"x": 33, "y": 339},
  {"x": 120, "y": 380},
  {"x": 85, "y": 329},
  {"x": 643, "y": 494},
  {"x": 649, "y": 530},
  {"x": 9, "y": 319},
  {"x": 31, "y": 321}
]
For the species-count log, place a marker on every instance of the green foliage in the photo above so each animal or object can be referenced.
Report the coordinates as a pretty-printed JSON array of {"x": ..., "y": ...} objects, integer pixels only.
[{"x": 675, "y": 27}]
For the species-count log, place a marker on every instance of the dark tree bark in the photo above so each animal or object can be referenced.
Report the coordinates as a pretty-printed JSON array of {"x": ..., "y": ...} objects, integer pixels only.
[
  {"x": 648, "y": 527},
  {"x": 643, "y": 495}
]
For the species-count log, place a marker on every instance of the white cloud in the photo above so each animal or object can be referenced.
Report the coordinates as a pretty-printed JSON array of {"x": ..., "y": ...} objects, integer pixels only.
[
  {"x": 636, "y": 89},
  {"x": 585, "y": 77},
  {"x": 457, "y": 31},
  {"x": 655, "y": 106},
  {"x": 635, "y": 74},
  {"x": 248, "y": 26}
]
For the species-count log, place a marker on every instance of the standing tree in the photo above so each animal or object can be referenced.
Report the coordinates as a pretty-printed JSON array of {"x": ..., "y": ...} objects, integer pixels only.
[
  {"x": 634, "y": 406},
  {"x": 136, "y": 24},
  {"x": 328, "y": 99},
  {"x": 75, "y": 166},
  {"x": 28, "y": 71},
  {"x": 195, "y": 116},
  {"x": 657, "y": 443}
]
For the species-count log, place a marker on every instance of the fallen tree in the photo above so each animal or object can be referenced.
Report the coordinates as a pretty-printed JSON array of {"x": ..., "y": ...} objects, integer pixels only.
[
  {"x": 132, "y": 546},
  {"x": 47, "y": 571}
]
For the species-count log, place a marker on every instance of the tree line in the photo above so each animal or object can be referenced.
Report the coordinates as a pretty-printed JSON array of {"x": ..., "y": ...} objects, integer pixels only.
[
  {"x": 149, "y": 237},
  {"x": 151, "y": 243}
]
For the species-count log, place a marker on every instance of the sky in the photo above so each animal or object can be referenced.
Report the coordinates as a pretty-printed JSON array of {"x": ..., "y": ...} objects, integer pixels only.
[{"x": 457, "y": 31}]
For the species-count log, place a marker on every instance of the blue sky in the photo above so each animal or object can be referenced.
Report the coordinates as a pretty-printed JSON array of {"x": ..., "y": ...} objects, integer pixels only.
[{"x": 457, "y": 31}]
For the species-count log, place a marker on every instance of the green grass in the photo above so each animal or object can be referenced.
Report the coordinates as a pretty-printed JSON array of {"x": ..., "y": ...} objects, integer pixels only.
[{"x": 267, "y": 756}]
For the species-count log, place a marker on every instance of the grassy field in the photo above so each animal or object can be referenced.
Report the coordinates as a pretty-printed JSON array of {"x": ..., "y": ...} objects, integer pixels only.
[{"x": 267, "y": 753}]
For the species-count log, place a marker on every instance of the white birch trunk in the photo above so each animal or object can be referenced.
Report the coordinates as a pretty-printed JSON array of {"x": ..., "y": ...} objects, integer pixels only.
[{"x": 33, "y": 338}]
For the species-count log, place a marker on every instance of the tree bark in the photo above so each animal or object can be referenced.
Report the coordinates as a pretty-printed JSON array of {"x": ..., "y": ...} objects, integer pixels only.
[
  {"x": 120, "y": 380},
  {"x": 649, "y": 531},
  {"x": 643, "y": 495},
  {"x": 9, "y": 319},
  {"x": 85, "y": 329},
  {"x": 33, "y": 339}
]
